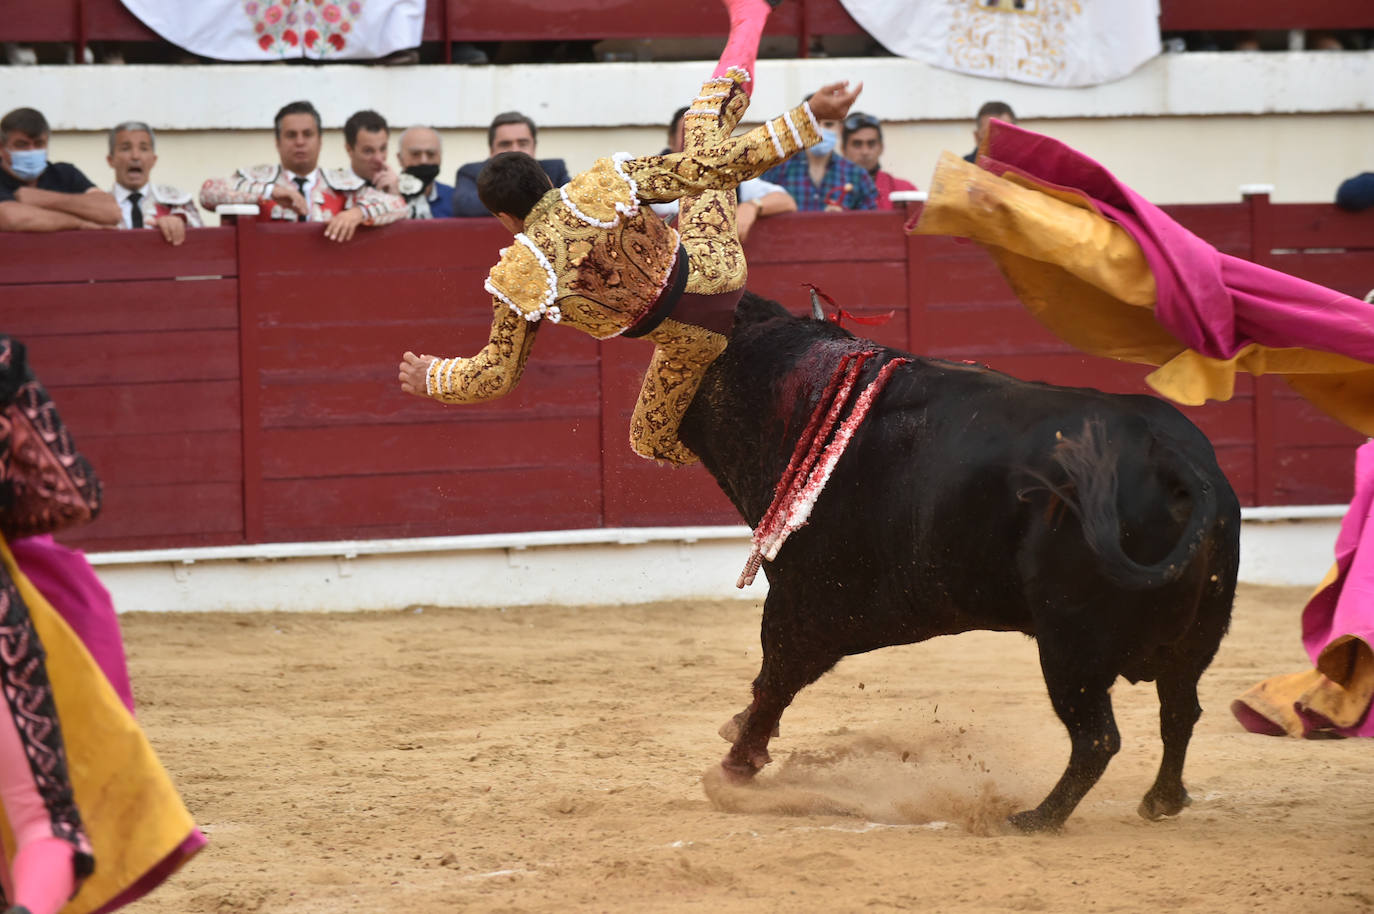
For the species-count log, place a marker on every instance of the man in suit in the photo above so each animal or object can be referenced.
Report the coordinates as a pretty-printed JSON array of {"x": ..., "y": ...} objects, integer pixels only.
[
  {"x": 420, "y": 155},
  {"x": 510, "y": 131}
]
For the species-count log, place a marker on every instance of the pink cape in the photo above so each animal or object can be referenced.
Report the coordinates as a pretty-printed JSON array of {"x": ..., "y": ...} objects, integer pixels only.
[
  {"x": 69, "y": 583},
  {"x": 1213, "y": 303},
  {"x": 1346, "y": 609}
]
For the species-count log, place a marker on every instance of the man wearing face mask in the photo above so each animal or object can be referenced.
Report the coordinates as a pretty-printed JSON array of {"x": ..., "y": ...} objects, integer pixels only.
[
  {"x": 822, "y": 180},
  {"x": 419, "y": 155},
  {"x": 41, "y": 196}
]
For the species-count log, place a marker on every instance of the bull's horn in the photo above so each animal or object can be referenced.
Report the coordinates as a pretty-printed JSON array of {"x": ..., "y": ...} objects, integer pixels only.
[{"x": 816, "y": 311}]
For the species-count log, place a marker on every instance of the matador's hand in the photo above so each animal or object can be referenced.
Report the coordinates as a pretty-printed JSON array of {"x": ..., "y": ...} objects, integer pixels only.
[
  {"x": 413, "y": 370},
  {"x": 832, "y": 102}
]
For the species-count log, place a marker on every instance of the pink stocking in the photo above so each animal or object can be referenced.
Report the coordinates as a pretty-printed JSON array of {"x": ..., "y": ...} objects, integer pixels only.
[
  {"x": 747, "y": 18},
  {"x": 44, "y": 877}
]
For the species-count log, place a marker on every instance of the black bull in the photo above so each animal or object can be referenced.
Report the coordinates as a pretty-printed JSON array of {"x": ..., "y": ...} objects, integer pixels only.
[{"x": 1099, "y": 524}]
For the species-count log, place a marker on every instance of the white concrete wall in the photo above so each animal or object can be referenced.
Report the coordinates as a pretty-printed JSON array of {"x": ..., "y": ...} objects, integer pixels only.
[
  {"x": 576, "y": 567},
  {"x": 1184, "y": 128}
]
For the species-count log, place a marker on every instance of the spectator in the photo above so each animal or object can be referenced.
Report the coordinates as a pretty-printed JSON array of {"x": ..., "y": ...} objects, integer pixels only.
[
  {"x": 141, "y": 203},
  {"x": 41, "y": 196},
  {"x": 510, "y": 131},
  {"x": 1356, "y": 193},
  {"x": 763, "y": 198},
  {"x": 420, "y": 156},
  {"x": 366, "y": 136},
  {"x": 1000, "y": 110},
  {"x": 824, "y": 180},
  {"x": 298, "y": 190},
  {"x": 863, "y": 145}
]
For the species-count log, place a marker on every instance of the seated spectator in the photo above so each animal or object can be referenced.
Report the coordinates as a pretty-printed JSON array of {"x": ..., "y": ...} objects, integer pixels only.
[
  {"x": 41, "y": 196},
  {"x": 142, "y": 203},
  {"x": 366, "y": 136},
  {"x": 298, "y": 190},
  {"x": 510, "y": 131},
  {"x": 863, "y": 145},
  {"x": 1000, "y": 110},
  {"x": 764, "y": 198},
  {"x": 823, "y": 179},
  {"x": 420, "y": 157},
  {"x": 1356, "y": 193}
]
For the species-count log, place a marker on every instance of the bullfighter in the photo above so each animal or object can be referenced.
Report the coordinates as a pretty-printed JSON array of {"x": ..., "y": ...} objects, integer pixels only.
[{"x": 591, "y": 255}]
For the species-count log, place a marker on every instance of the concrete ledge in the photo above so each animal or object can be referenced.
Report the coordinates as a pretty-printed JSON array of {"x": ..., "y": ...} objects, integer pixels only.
[
  {"x": 245, "y": 97},
  {"x": 1287, "y": 546}
]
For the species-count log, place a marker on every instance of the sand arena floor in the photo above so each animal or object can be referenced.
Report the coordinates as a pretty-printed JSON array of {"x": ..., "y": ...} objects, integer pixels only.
[{"x": 562, "y": 759}]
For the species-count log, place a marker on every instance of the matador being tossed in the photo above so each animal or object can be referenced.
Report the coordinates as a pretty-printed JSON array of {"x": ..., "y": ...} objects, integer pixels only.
[{"x": 593, "y": 256}]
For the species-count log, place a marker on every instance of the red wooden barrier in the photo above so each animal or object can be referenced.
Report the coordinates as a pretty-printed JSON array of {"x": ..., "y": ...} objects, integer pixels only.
[
  {"x": 242, "y": 387},
  {"x": 80, "y": 21}
]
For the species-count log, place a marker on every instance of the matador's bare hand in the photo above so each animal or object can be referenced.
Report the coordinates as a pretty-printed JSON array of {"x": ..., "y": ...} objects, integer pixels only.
[
  {"x": 832, "y": 102},
  {"x": 414, "y": 368}
]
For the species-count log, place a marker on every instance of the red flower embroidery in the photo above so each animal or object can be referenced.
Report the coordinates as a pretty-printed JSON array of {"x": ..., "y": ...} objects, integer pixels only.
[
  {"x": 265, "y": 42},
  {"x": 331, "y": 13},
  {"x": 344, "y": 26},
  {"x": 311, "y": 36},
  {"x": 337, "y": 41},
  {"x": 259, "y": 28},
  {"x": 272, "y": 15},
  {"x": 290, "y": 37}
]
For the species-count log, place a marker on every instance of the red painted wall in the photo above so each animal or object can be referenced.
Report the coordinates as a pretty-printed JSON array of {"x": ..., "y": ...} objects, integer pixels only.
[{"x": 242, "y": 387}]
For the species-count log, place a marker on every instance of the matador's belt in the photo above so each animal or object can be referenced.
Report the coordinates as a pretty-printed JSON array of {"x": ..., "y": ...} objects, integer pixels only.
[{"x": 662, "y": 307}]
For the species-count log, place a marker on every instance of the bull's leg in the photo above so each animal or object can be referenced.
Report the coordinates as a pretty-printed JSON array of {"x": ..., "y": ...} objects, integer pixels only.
[
  {"x": 1178, "y": 711},
  {"x": 789, "y": 665},
  {"x": 1078, "y": 682}
]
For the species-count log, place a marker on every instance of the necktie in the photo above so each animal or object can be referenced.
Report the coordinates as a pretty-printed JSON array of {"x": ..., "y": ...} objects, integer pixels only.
[
  {"x": 300, "y": 182},
  {"x": 135, "y": 211}
]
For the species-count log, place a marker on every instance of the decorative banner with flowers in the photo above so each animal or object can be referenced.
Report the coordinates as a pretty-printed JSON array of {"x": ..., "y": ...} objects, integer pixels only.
[
  {"x": 1047, "y": 42},
  {"x": 277, "y": 29}
]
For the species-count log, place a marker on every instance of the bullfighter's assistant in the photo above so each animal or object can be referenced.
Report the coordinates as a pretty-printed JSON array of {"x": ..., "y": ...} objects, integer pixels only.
[{"x": 592, "y": 256}]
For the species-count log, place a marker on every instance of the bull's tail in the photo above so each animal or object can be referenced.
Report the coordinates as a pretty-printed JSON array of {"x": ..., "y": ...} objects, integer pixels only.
[{"x": 1090, "y": 462}]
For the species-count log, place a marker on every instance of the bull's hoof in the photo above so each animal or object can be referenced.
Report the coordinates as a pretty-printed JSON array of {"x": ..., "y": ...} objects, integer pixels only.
[
  {"x": 732, "y": 728},
  {"x": 737, "y": 772},
  {"x": 1156, "y": 806},
  {"x": 1032, "y": 821}
]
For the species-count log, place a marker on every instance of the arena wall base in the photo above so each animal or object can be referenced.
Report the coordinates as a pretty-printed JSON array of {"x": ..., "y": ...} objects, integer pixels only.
[{"x": 1279, "y": 546}]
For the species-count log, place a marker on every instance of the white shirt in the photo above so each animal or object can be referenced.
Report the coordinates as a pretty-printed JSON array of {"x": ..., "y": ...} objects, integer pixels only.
[
  {"x": 310, "y": 181},
  {"x": 121, "y": 195}
]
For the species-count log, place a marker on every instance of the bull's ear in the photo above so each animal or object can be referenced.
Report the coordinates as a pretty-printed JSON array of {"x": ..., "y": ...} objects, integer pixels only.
[{"x": 816, "y": 311}]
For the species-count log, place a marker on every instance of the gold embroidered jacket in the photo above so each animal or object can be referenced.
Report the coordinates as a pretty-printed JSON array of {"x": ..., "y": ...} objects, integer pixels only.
[{"x": 592, "y": 257}]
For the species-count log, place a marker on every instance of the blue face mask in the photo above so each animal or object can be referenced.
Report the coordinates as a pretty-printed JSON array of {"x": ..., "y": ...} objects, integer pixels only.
[
  {"x": 28, "y": 164},
  {"x": 826, "y": 145}
]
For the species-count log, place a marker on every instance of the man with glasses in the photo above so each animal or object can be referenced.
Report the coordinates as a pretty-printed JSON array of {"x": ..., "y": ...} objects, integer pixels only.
[{"x": 863, "y": 145}]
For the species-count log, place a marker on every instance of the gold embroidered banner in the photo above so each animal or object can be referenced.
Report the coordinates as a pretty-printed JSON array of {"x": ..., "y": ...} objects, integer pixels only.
[{"x": 1046, "y": 42}]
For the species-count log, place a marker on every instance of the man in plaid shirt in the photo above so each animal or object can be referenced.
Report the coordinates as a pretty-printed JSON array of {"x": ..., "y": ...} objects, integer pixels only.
[{"x": 822, "y": 179}]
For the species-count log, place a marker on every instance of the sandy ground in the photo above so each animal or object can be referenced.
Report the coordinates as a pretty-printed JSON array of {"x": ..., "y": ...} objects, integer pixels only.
[{"x": 563, "y": 759}]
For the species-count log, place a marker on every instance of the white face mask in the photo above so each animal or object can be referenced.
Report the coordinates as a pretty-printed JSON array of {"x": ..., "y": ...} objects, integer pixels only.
[{"x": 28, "y": 163}]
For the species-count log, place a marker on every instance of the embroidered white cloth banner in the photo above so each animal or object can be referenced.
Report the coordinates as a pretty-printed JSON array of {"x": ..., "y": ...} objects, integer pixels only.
[
  {"x": 1048, "y": 42},
  {"x": 277, "y": 29}
]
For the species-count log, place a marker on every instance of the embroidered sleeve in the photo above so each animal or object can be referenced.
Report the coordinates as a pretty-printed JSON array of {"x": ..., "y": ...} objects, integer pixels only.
[
  {"x": 491, "y": 373},
  {"x": 379, "y": 207},
  {"x": 253, "y": 185},
  {"x": 735, "y": 160},
  {"x": 188, "y": 212}
]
